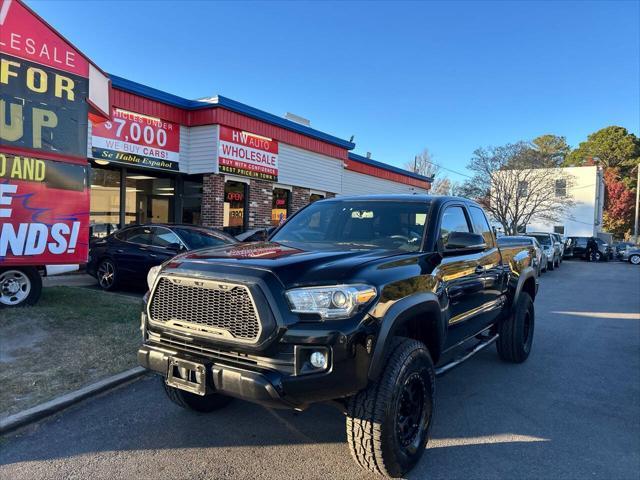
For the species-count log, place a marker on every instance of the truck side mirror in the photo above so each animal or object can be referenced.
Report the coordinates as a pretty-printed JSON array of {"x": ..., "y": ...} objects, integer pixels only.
[{"x": 463, "y": 242}]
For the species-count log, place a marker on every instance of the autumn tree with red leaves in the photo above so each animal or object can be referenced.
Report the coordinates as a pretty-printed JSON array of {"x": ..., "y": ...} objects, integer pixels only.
[{"x": 619, "y": 204}]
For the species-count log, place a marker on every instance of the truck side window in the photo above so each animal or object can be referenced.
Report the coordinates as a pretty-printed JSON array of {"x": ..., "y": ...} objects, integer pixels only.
[
  {"x": 481, "y": 225},
  {"x": 453, "y": 220}
]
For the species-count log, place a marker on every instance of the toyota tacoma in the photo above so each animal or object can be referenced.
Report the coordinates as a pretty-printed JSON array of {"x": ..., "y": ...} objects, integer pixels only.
[{"x": 356, "y": 301}]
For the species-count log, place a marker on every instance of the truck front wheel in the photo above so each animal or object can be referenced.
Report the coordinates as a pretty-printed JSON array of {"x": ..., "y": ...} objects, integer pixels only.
[
  {"x": 516, "y": 331},
  {"x": 388, "y": 423},
  {"x": 19, "y": 286},
  {"x": 191, "y": 401}
]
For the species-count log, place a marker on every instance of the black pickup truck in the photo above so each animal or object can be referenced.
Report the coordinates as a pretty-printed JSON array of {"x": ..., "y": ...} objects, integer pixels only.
[{"x": 357, "y": 301}]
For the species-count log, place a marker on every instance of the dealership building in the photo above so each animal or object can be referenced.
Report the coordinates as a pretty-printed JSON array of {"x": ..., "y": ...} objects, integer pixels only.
[{"x": 219, "y": 163}]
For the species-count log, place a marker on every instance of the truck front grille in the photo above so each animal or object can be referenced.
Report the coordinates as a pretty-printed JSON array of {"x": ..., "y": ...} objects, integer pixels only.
[{"x": 205, "y": 307}]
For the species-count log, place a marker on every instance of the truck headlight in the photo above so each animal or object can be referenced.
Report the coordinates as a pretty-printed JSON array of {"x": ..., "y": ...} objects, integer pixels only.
[
  {"x": 152, "y": 275},
  {"x": 333, "y": 302}
]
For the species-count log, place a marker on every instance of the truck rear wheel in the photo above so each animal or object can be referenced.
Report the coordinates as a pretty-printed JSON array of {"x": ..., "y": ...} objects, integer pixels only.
[
  {"x": 191, "y": 401},
  {"x": 19, "y": 286},
  {"x": 516, "y": 332},
  {"x": 388, "y": 423}
]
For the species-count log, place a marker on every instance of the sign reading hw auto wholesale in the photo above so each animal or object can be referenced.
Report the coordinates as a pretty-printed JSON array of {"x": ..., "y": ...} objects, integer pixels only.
[
  {"x": 137, "y": 139},
  {"x": 247, "y": 154}
]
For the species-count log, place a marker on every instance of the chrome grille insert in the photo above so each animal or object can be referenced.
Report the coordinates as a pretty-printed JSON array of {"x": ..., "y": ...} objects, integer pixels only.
[{"x": 205, "y": 307}]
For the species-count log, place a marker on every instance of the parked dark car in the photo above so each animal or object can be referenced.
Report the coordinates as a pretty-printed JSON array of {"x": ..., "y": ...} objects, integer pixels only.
[
  {"x": 576, "y": 247},
  {"x": 126, "y": 256},
  {"x": 357, "y": 300}
]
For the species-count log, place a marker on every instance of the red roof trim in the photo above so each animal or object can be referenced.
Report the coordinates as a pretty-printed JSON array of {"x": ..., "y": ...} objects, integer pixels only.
[{"x": 385, "y": 174}]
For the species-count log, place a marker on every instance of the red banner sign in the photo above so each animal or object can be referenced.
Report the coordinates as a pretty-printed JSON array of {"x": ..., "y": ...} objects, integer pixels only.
[
  {"x": 137, "y": 139},
  {"x": 24, "y": 35},
  {"x": 44, "y": 211},
  {"x": 247, "y": 154}
]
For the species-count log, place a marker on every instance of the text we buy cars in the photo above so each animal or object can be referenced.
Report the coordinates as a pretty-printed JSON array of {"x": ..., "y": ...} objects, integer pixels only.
[{"x": 133, "y": 138}]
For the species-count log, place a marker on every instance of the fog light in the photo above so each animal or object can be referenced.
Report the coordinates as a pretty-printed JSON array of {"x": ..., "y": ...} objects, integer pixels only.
[{"x": 318, "y": 360}]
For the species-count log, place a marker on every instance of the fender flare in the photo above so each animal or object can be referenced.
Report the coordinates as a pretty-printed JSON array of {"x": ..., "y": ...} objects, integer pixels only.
[
  {"x": 421, "y": 303},
  {"x": 525, "y": 275}
]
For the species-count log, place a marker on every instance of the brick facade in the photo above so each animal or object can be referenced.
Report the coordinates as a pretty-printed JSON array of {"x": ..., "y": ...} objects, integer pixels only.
[
  {"x": 260, "y": 202},
  {"x": 299, "y": 198},
  {"x": 212, "y": 201}
]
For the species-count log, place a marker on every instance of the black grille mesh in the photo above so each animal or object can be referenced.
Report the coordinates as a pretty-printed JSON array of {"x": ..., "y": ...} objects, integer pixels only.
[{"x": 230, "y": 310}]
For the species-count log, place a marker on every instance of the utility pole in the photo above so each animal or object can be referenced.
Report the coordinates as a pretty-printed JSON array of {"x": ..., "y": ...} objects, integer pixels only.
[{"x": 635, "y": 225}]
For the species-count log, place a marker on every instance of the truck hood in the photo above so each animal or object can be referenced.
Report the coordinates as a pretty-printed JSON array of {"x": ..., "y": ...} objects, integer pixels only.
[{"x": 292, "y": 266}]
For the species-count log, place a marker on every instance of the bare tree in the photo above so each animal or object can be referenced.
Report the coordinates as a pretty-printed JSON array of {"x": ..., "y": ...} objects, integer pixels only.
[
  {"x": 441, "y": 186},
  {"x": 422, "y": 164},
  {"x": 512, "y": 192}
]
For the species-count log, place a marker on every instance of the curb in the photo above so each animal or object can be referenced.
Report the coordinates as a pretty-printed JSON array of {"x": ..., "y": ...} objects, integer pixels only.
[{"x": 46, "y": 409}]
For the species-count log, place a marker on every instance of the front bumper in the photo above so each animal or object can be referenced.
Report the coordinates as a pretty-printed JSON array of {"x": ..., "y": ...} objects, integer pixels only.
[{"x": 277, "y": 379}]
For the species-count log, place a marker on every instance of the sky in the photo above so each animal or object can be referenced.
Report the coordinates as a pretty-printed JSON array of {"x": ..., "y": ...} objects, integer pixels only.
[{"x": 399, "y": 76}]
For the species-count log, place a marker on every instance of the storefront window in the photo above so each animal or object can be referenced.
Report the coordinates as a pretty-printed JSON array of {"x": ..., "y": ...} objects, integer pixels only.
[
  {"x": 104, "y": 216},
  {"x": 279, "y": 206},
  {"x": 192, "y": 201},
  {"x": 234, "y": 207},
  {"x": 314, "y": 197},
  {"x": 149, "y": 199}
]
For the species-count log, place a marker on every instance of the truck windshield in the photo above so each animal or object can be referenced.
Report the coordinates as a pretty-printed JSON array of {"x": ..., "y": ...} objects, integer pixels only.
[{"x": 392, "y": 225}]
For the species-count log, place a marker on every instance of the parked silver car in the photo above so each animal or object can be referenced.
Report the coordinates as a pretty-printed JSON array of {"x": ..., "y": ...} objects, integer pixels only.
[
  {"x": 561, "y": 242},
  {"x": 631, "y": 255},
  {"x": 550, "y": 247},
  {"x": 540, "y": 261}
]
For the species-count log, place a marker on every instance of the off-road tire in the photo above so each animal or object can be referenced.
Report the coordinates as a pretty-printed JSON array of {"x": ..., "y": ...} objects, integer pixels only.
[
  {"x": 516, "y": 331},
  {"x": 373, "y": 413},
  {"x": 197, "y": 403}
]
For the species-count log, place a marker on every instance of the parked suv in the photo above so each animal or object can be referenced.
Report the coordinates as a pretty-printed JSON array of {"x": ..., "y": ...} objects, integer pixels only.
[
  {"x": 577, "y": 248},
  {"x": 360, "y": 301}
]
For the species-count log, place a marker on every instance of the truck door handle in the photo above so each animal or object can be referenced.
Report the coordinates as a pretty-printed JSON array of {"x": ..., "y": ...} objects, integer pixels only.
[
  {"x": 120, "y": 250},
  {"x": 479, "y": 269}
]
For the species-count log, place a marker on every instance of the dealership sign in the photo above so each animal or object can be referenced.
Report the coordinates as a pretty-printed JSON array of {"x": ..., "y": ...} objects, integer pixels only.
[
  {"x": 47, "y": 89},
  {"x": 136, "y": 139},
  {"x": 44, "y": 85},
  {"x": 44, "y": 212},
  {"x": 247, "y": 154}
]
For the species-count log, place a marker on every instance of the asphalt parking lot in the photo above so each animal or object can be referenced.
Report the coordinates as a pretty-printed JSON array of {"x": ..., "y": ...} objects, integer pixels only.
[{"x": 572, "y": 411}]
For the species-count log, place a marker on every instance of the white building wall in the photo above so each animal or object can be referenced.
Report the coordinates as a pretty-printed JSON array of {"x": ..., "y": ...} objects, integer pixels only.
[
  {"x": 199, "y": 149},
  {"x": 354, "y": 183},
  {"x": 585, "y": 217},
  {"x": 303, "y": 168}
]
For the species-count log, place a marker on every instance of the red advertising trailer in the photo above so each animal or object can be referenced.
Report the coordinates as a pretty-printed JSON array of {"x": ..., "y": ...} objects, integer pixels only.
[{"x": 45, "y": 100}]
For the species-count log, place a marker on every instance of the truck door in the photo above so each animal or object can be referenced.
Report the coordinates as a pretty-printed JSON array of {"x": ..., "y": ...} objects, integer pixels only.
[
  {"x": 462, "y": 276},
  {"x": 492, "y": 273}
]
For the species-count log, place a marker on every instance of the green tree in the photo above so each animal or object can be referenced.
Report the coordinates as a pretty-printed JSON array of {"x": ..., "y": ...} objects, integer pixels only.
[
  {"x": 552, "y": 150},
  {"x": 610, "y": 147}
]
